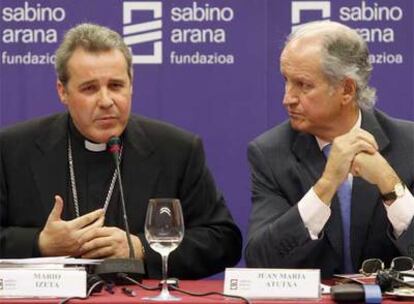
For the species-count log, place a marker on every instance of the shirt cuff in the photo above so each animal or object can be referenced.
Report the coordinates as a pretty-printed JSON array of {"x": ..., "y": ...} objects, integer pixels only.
[
  {"x": 35, "y": 249},
  {"x": 401, "y": 212},
  {"x": 314, "y": 213}
]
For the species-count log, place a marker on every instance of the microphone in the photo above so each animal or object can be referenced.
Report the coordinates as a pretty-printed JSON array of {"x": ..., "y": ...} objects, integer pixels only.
[
  {"x": 114, "y": 147},
  {"x": 110, "y": 268}
]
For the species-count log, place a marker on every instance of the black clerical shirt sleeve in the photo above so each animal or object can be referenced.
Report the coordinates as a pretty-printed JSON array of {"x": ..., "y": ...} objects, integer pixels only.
[{"x": 15, "y": 241}]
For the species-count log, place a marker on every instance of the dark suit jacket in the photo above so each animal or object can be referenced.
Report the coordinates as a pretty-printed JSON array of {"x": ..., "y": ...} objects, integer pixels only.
[
  {"x": 159, "y": 160},
  {"x": 285, "y": 164}
]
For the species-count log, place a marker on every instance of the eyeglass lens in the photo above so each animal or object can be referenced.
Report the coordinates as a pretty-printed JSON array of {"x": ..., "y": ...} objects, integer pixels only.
[
  {"x": 402, "y": 263},
  {"x": 372, "y": 265}
]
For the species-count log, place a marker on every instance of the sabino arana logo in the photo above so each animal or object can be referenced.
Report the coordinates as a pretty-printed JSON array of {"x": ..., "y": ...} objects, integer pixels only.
[
  {"x": 147, "y": 33},
  {"x": 298, "y": 7}
]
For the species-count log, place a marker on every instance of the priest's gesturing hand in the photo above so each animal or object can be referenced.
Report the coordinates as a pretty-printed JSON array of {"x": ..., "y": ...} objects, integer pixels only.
[
  {"x": 108, "y": 242},
  {"x": 60, "y": 237}
]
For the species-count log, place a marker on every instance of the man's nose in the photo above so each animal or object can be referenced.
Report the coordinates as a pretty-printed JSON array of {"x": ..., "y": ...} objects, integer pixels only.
[
  {"x": 291, "y": 96},
  {"x": 105, "y": 98}
]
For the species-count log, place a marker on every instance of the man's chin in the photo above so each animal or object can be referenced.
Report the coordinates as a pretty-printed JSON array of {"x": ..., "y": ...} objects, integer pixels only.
[
  {"x": 104, "y": 137},
  {"x": 298, "y": 125}
]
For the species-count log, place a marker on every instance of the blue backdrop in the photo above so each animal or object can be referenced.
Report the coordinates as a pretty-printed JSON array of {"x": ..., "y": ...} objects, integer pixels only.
[{"x": 208, "y": 66}]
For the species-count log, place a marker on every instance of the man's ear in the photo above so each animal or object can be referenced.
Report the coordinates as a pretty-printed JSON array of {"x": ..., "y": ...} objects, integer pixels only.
[
  {"x": 132, "y": 81},
  {"x": 348, "y": 91},
  {"x": 61, "y": 90}
]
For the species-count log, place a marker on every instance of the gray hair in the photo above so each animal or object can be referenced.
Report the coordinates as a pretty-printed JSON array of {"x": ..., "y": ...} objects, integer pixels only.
[
  {"x": 344, "y": 55},
  {"x": 92, "y": 38}
]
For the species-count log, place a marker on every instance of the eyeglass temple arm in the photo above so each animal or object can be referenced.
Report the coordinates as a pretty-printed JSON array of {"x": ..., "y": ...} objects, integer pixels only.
[
  {"x": 402, "y": 282},
  {"x": 410, "y": 275}
]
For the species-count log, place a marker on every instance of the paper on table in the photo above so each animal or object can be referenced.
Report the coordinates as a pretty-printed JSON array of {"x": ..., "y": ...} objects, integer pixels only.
[
  {"x": 355, "y": 278},
  {"x": 409, "y": 275},
  {"x": 325, "y": 289},
  {"x": 60, "y": 260}
]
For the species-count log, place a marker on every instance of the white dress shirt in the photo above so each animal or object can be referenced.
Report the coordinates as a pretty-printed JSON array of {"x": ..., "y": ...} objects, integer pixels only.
[{"x": 315, "y": 213}]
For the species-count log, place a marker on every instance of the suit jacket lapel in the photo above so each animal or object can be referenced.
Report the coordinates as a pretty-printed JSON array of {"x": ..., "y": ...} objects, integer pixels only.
[
  {"x": 310, "y": 156},
  {"x": 140, "y": 169},
  {"x": 365, "y": 197},
  {"x": 313, "y": 163},
  {"x": 49, "y": 162}
]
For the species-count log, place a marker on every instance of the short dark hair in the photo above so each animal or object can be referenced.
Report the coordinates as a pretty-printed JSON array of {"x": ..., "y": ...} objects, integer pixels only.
[{"x": 92, "y": 38}]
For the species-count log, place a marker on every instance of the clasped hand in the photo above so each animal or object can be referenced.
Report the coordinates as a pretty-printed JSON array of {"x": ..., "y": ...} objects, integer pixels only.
[
  {"x": 343, "y": 152},
  {"x": 84, "y": 236},
  {"x": 355, "y": 152}
]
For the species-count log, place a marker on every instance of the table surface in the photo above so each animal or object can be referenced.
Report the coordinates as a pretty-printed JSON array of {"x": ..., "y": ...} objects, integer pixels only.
[{"x": 200, "y": 286}]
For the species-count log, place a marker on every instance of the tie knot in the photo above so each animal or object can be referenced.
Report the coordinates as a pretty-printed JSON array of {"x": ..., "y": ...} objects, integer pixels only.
[{"x": 326, "y": 150}]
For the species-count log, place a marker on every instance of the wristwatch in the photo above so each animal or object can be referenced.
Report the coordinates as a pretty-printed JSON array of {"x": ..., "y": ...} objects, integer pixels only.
[{"x": 399, "y": 191}]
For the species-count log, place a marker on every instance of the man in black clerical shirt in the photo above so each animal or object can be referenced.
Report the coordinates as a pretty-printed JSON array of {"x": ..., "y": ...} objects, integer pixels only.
[{"x": 58, "y": 193}]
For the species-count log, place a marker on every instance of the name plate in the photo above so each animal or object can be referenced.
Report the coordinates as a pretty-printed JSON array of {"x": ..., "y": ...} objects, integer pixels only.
[
  {"x": 261, "y": 283},
  {"x": 25, "y": 282}
]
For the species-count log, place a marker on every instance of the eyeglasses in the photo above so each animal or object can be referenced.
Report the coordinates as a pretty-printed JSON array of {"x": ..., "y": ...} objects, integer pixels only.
[{"x": 371, "y": 266}]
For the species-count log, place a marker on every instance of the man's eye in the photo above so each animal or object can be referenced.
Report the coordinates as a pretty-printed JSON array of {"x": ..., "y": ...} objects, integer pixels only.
[
  {"x": 305, "y": 85},
  {"x": 88, "y": 89},
  {"x": 116, "y": 86}
]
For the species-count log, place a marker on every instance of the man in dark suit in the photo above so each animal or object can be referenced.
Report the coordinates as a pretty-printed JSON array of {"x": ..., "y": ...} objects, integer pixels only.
[
  {"x": 58, "y": 184},
  {"x": 331, "y": 186}
]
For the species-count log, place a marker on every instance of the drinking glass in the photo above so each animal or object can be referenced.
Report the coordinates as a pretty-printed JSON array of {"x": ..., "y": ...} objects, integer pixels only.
[{"x": 164, "y": 231}]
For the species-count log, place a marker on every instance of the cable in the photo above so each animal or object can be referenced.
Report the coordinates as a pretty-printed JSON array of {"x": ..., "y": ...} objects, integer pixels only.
[
  {"x": 404, "y": 274},
  {"x": 146, "y": 287},
  {"x": 402, "y": 282},
  {"x": 209, "y": 293},
  {"x": 88, "y": 294},
  {"x": 391, "y": 279},
  {"x": 194, "y": 294}
]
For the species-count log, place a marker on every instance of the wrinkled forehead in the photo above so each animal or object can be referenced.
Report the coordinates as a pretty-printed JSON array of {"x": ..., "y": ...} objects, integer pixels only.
[
  {"x": 301, "y": 51},
  {"x": 307, "y": 44}
]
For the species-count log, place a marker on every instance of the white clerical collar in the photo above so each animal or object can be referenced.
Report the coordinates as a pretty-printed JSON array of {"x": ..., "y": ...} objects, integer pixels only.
[
  {"x": 322, "y": 143},
  {"x": 94, "y": 147}
]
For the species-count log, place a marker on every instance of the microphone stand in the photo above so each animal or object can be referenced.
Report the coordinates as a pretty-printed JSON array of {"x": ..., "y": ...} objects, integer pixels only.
[{"x": 110, "y": 269}]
